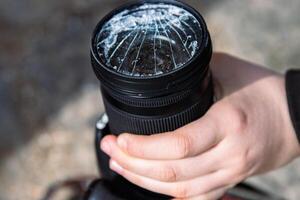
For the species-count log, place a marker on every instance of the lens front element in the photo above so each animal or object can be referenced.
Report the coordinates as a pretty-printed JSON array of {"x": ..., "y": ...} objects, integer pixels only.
[{"x": 149, "y": 39}]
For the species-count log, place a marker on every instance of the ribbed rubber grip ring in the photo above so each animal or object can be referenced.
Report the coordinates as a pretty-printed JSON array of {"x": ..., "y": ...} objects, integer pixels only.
[{"x": 121, "y": 121}]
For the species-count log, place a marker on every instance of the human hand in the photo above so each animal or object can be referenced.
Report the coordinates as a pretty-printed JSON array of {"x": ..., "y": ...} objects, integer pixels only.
[{"x": 247, "y": 132}]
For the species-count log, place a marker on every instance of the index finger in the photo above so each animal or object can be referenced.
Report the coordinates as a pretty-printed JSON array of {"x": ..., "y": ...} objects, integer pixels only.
[{"x": 188, "y": 141}]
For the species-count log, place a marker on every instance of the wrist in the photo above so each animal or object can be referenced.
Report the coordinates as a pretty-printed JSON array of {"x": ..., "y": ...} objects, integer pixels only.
[{"x": 289, "y": 145}]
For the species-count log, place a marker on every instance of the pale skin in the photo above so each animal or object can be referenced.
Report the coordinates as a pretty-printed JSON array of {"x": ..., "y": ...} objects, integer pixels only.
[{"x": 248, "y": 131}]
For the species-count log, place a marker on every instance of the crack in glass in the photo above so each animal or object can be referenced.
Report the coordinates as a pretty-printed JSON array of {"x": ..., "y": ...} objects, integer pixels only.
[{"x": 149, "y": 40}]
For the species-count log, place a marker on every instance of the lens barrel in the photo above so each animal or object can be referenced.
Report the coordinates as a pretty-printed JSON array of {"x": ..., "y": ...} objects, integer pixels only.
[{"x": 152, "y": 59}]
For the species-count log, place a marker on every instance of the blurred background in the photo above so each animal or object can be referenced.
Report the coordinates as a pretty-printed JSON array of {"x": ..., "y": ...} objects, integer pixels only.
[{"x": 50, "y": 99}]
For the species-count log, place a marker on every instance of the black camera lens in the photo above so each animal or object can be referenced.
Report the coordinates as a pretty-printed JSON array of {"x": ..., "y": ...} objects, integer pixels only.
[
  {"x": 149, "y": 40},
  {"x": 152, "y": 59}
]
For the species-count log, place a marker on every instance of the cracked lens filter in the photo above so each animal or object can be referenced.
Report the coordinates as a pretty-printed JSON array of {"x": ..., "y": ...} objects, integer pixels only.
[
  {"x": 152, "y": 59},
  {"x": 149, "y": 40}
]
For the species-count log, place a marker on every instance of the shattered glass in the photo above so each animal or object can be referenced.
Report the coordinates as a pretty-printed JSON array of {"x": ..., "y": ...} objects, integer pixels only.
[{"x": 149, "y": 40}]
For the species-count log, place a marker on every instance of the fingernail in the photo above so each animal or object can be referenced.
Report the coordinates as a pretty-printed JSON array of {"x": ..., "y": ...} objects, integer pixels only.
[
  {"x": 122, "y": 142},
  {"x": 105, "y": 146},
  {"x": 115, "y": 166}
]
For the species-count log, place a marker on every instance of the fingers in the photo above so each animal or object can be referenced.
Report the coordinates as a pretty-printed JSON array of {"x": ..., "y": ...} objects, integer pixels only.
[
  {"x": 187, "y": 141},
  {"x": 166, "y": 170},
  {"x": 191, "y": 188}
]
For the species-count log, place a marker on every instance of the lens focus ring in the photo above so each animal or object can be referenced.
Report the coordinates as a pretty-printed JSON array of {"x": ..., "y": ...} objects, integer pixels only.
[{"x": 146, "y": 125}]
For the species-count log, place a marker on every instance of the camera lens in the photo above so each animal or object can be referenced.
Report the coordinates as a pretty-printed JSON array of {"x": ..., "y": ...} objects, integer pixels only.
[
  {"x": 149, "y": 40},
  {"x": 152, "y": 59}
]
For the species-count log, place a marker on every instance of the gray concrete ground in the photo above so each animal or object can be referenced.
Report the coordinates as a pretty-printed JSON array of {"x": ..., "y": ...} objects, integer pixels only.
[{"x": 49, "y": 96}]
